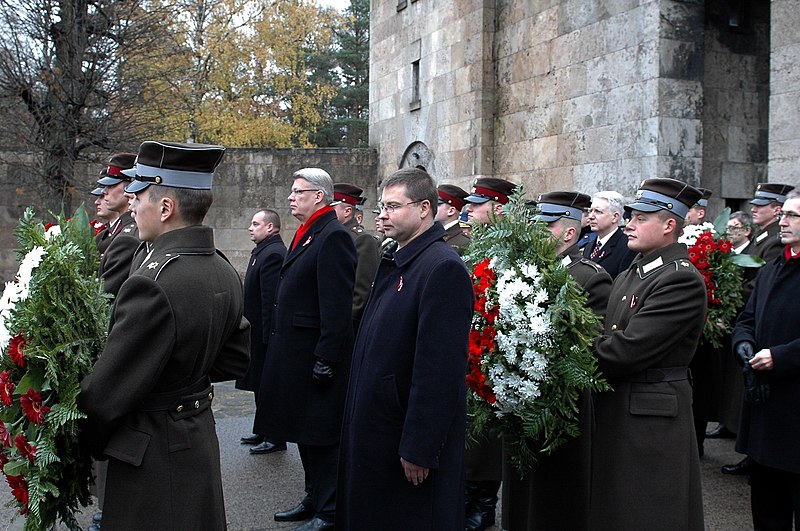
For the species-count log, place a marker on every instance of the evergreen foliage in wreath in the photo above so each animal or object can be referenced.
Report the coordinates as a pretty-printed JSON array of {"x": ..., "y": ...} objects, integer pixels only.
[
  {"x": 53, "y": 323},
  {"x": 530, "y": 355}
]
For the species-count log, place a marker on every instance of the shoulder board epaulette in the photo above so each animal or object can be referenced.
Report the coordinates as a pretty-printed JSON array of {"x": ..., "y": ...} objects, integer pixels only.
[
  {"x": 153, "y": 266},
  {"x": 591, "y": 264}
]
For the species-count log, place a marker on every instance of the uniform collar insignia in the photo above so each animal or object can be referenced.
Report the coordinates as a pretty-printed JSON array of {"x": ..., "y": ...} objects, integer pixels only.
[
  {"x": 658, "y": 262},
  {"x": 127, "y": 229},
  {"x": 566, "y": 261},
  {"x": 761, "y": 236}
]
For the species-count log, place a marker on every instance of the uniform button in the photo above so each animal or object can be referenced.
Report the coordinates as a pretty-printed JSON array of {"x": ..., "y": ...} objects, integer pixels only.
[
  {"x": 197, "y": 404},
  {"x": 613, "y": 327},
  {"x": 210, "y": 396},
  {"x": 624, "y": 297},
  {"x": 179, "y": 409}
]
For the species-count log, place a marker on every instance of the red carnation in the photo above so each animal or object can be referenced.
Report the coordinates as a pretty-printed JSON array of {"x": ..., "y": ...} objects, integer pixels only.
[
  {"x": 16, "y": 349},
  {"x": 48, "y": 226},
  {"x": 97, "y": 225},
  {"x": 32, "y": 406},
  {"x": 3, "y": 460},
  {"x": 6, "y": 389},
  {"x": 19, "y": 488},
  {"x": 5, "y": 436},
  {"x": 25, "y": 448}
]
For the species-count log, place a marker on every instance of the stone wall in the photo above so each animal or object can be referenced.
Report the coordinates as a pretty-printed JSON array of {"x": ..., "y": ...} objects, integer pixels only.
[
  {"x": 451, "y": 44},
  {"x": 246, "y": 181},
  {"x": 784, "y": 90},
  {"x": 586, "y": 94}
]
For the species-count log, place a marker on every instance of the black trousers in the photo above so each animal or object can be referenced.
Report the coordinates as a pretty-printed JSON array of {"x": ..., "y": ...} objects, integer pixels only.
[
  {"x": 774, "y": 498},
  {"x": 320, "y": 464}
]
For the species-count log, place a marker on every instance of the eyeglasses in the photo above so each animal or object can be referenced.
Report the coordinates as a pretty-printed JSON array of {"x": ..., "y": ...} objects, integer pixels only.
[
  {"x": 790, "y": 215},
  {"x": 298, "y": 191},
  {"x": 392, "y": 207}
]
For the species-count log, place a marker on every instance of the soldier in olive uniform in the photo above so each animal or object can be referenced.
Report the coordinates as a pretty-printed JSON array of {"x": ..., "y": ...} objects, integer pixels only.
[
  {"x": 766, "y": 210},
  {"x": 122, "y": 233},
  {"x": 645, "y": 465},
  {"x": 176, "y": 326},
  {"x": 483, "y": 461},
  {"x": 555, "y": 494},
  {"x": 346, "y": 198},
  {"x": 104, "y": 218},
  {"x": 451, "y": 201}
]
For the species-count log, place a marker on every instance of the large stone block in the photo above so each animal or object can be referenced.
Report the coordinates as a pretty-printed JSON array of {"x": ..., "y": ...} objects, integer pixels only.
[{"x": 784, "y": 116}]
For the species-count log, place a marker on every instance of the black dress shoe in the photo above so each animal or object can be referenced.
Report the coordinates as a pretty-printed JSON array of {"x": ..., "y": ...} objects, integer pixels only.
[
  {"x": 316, "y": 524},
  {"x": 267, "y": 447},
  {"x": 720, "y": 432},
  {"x": 252, "y": 439},
  {"x": 295, "y": 514},
  {"x": 742, "y": 468}
]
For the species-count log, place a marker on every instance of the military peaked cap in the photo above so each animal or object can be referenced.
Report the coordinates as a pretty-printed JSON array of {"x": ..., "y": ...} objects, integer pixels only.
[
  {"x": 766, "y": 193},
  {"x": 346, "y": 193},
  {"x": 556, "y": 205},
  {"x": 112, "y": 173},
  {"x": 490, "y": 189},
  {"x": 665, "y": 194},
  {"x": 703, "y": 201},
  {"x": 452, "y": 195},
  {"x": 174, "y": 164}
]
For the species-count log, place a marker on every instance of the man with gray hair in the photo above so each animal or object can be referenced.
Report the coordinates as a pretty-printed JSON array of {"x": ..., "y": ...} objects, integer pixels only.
[
  {"x": 307, "y": 365},
  {"x": 610, "y": 250}
]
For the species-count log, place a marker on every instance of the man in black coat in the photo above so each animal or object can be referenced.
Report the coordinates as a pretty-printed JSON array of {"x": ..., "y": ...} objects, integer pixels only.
[
  {"x": 304, "y": 380},
  {"x": 401, "y": 464},
  {"x": 767, "y": 340},
  {"x": 610, "y": 248},
  {"x": 177, "y": 326},
  {"x": 260, "y": 281}
]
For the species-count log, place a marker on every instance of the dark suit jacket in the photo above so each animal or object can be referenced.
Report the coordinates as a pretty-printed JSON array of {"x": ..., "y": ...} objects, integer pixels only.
[
  {"x": 312, "y": 318},
  {"x": 177, "y": 324},
  {"x": 260, "y": 282},
  {"x": 615, "y": 257},
  {"x": 115, "y": 262}
]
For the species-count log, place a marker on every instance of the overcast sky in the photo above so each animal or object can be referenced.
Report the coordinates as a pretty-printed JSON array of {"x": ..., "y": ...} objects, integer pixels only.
[{"x": 338, "y": 4}]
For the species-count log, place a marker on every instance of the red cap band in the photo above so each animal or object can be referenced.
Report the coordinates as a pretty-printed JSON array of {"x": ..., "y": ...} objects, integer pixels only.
[
  {"x": 115, "y": 171},
  {"x": 495, "y": 195},
  {"x": 349, "y": 199},
  {"x": 451, "y": 200}
]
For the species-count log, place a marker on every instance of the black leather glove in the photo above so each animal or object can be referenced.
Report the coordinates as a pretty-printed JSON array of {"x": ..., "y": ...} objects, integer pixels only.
[
  {"x": 756, "y": 386},
  {"x": 744, "y": 352},
  {"x": 322, "y": 374}
]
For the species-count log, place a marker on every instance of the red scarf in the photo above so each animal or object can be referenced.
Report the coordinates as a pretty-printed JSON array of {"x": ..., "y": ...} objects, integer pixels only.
[{"x": 303, "y": 228}]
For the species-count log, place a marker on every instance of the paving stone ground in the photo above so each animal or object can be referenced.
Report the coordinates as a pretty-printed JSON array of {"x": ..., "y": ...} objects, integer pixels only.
[{"x": 258, "y": 486}]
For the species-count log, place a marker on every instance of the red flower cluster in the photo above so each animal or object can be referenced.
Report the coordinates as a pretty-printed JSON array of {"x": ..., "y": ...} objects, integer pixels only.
[
  {"x": 700, "y": 255},
  {"x": 97, "y": 225},
  {"x": 25, "y": 448},
  {"x": 19, "y": 488},
  {"x": 32, "y": 406},
  {"x": 6, "y": 389},
  {"x": 16, "y": 349},
  {"x": 482, "y": 340},
  {"x": 5, "y": 436}
]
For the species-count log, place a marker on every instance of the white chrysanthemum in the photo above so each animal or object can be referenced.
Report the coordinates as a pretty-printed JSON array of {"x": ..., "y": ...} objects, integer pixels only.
[
  {"x": 691, "y": 232},
  {"x": 52, "y": 233}
]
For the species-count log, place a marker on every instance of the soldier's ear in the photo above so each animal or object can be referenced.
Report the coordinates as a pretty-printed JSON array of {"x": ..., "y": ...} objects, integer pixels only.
[{"x": 167, "y": 208}]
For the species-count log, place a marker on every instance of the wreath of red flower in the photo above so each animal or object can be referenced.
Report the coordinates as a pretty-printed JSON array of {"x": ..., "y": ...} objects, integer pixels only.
[
  {"x": 26, "y": 449},
  {"x": 700, "y": 254},
  {"x": 5, "y": 437}
]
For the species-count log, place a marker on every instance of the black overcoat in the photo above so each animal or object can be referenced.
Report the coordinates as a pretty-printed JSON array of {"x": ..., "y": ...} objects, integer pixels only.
[
  {"x": 769, "y": 432},
  {"x": 312, "y": 318},
  {"x": 260, "y": 281},
  {"x": 614, "y": 256},
  {"x": 115, "y": 262},
  {"x": 407, "y": 394},
  {"x": 177, "y": 325},
  {"x": 645, "y": 464}
]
